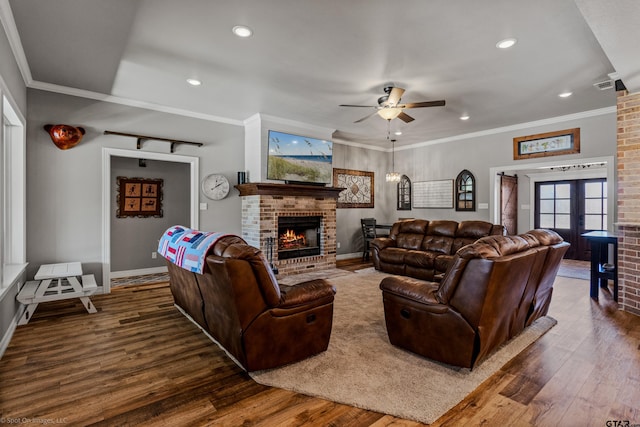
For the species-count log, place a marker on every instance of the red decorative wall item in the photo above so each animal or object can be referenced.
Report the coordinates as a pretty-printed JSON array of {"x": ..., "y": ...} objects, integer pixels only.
[{"x": 65, "y": 136}]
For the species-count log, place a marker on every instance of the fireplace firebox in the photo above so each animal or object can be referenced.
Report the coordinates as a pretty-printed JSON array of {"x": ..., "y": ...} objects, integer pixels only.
[{"x": 298, "y": 236}]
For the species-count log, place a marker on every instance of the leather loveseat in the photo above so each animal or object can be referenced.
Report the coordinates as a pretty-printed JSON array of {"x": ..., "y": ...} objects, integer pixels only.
[
  {"x": 424, "y": 249},
  {"x": 238, "y": 302},
  {"x": 493, "y": 289}
]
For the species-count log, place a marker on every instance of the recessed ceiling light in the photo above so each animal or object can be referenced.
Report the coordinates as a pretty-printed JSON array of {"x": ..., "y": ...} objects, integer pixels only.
[
  {"x": 565, "y": 94},
  {"x": 242, "y": 31},
  {"x": 194, "y": 82},
  {"x": 464, "y": 117},
  {"x": 506, "y": 43},
  {"x": 398, "y": 132}
]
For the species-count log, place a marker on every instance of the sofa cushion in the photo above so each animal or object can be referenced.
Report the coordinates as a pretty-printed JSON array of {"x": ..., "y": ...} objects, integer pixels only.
[
  {"x": 393, "y": 255},
  {"x": 442, "y": 262},
  {"x": 460, "y": 242},
  {"x": 437, "y": 243},
  {"x": 417, "y": 226},
  {"x": 423, "y": 259},
  {"x": 442, "y": 228},
  {"x": 409, "y": 240}
]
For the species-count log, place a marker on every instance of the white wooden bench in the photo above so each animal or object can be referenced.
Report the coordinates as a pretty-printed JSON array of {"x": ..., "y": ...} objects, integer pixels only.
[{"x": 59, "y": 282}]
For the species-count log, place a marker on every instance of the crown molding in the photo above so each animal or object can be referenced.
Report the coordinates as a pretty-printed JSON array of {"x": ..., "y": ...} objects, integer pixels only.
[
  {"x": 10, "y": 29},
  {"x": 511, "y": 128},
  {"x": 65, "y": 90},
  {"x": 294, "y": 123}
]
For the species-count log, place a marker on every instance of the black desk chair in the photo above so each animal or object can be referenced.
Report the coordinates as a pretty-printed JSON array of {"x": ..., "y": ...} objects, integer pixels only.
[{"x": 368, "y": 234}]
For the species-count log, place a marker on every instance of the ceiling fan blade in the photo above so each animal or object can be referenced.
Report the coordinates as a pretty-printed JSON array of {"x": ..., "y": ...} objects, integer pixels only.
[
  {"x": 405, "y": 117},
  {"x": 351, "y": 105},
  {"x": 423, "y": 104},
  {"x": 395, "y": 95},
  {"x": 365, "y": 117}
]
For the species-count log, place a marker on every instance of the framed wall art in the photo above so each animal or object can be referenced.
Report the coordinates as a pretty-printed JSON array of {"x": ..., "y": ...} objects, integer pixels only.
[
  {"x": 358, "y": 188},
  {"x": 433, "y": 194},
  {"x": 140, "y": 197},
  {"x": 547, "y": 144}
]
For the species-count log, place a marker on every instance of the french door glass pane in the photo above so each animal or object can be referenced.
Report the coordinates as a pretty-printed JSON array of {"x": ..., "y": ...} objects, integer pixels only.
[
  {"x": 593, "y": 206},
  {"x": 593, "y": 222},
  {"x": 563, "y": 206},
  {"x": 546, "y": 221},
  {"x": 593, "y": 189},
  {"x": 563, "y": 221},
  {"x": 546, "y": 206},
  {"x": 547, "y": 191},
  {"x": 563, "y": 191}
]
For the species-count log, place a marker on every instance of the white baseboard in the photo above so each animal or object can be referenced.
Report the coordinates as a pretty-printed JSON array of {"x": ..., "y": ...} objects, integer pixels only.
[
  {"x": 349, "y": 256},
  {"x": 4, "y": 343},
  {"x": 139, "y": 272}
]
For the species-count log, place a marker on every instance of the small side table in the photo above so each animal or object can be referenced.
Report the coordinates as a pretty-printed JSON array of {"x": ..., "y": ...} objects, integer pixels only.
[
  {"x": 56, "y": 282},
  {"x": 600, "y": 276}
]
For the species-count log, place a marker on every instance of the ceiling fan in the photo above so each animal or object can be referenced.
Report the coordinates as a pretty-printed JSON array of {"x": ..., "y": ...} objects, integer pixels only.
[{"x": 389, "y": 108}]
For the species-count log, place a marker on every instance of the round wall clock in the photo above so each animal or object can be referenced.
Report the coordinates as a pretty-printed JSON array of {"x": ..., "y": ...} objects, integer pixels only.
[{"x": 215, "y": 186}]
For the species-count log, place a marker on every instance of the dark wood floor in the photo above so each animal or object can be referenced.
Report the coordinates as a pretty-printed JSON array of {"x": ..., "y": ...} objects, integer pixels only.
[{"x": 139, "y": 362}]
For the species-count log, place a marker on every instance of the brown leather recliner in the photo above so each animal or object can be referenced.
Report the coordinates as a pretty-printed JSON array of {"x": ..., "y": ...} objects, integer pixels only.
[
  {"x": 492, "y": 290},
  {"x": 238, "y": 301}
]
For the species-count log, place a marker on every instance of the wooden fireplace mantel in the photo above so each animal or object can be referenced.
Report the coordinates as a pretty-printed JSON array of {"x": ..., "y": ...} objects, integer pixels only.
[{"x": 271, "y": 189}]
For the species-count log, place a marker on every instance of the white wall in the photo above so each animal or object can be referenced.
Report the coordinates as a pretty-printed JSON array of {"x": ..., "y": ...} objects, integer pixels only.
[{"x": 64, "y": 187}]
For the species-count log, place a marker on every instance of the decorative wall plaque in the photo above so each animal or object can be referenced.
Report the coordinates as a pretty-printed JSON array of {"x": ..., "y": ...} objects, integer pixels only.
[
  {"x": 139, "y": 197},
  {"x": 358, "y": 188}
]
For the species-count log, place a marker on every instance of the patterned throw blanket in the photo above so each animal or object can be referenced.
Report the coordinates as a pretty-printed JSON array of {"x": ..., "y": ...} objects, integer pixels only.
[{"x": 187, "y": 248}]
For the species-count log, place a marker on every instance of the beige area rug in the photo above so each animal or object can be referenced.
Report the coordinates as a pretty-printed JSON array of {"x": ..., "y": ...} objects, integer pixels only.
[{"x": 361, "y": 368}]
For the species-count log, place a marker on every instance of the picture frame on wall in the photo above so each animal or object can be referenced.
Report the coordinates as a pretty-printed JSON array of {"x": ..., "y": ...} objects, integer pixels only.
[
  {"x": 358, "y": 188},
  {"x": 139, "y": 197},
  {"x": 547, "y": 144}
]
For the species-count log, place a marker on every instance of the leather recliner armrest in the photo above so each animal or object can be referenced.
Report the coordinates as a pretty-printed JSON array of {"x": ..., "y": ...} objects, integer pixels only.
[
  {"x": 415, "y": 290},
  {"x": 313, "y": 292},
  {"x": 383, "y": 242}
]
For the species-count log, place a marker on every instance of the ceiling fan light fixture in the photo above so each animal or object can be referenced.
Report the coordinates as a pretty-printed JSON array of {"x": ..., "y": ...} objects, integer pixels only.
[
  {"x": 389, "y": 113},
  {"x": 506, "y": 43},
  {"x": 242, "y": 31}
]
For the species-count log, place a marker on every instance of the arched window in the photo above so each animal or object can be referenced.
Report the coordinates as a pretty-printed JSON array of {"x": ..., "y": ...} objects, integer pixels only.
[
  {"x": 465, "y": 191},
  {"x": 404, "y": 194}
]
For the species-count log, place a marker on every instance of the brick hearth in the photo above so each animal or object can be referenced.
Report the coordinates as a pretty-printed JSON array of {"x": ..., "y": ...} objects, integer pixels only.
[{"x": 263, "y": 203}]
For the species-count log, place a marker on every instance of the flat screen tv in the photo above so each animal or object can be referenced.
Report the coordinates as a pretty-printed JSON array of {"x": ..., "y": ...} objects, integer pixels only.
[{"x": 299, "y": 159}]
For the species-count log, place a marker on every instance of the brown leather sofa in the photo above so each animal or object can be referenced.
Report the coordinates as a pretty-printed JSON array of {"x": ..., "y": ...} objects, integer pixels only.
[
  {"x": 493, "y": 289},
  {"x": 424, "y": 249},
  {"x": 238, "y": 302}
]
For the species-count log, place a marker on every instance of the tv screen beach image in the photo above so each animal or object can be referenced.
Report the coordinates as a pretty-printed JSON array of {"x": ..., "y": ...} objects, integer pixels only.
[{"x": 297, "y": 158}]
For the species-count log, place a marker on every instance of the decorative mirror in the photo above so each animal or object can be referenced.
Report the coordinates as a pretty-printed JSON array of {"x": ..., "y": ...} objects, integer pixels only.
[
  {"x": 465, "y": 191},
  {"x": 404, "y": 194}
]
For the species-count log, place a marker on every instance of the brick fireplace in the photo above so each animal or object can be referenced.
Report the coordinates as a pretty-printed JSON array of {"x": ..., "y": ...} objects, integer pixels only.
[
  {"x": 628, "y": 226},
  {"x": 265, "y": 205}
]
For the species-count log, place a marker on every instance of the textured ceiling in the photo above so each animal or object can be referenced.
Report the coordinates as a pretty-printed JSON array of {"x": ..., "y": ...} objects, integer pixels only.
[{"x": 306, "y": 57}]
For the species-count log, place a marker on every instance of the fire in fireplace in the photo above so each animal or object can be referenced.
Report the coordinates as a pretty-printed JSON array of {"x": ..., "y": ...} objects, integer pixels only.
[{"x": 298, "y": 236}]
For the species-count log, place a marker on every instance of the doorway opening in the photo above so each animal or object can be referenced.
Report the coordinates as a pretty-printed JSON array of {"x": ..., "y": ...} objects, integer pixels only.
[{"x": 107, "y": 154}]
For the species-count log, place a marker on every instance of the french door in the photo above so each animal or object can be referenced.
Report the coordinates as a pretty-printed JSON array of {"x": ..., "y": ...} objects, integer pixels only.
[{"x": 571, "y": 208}]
